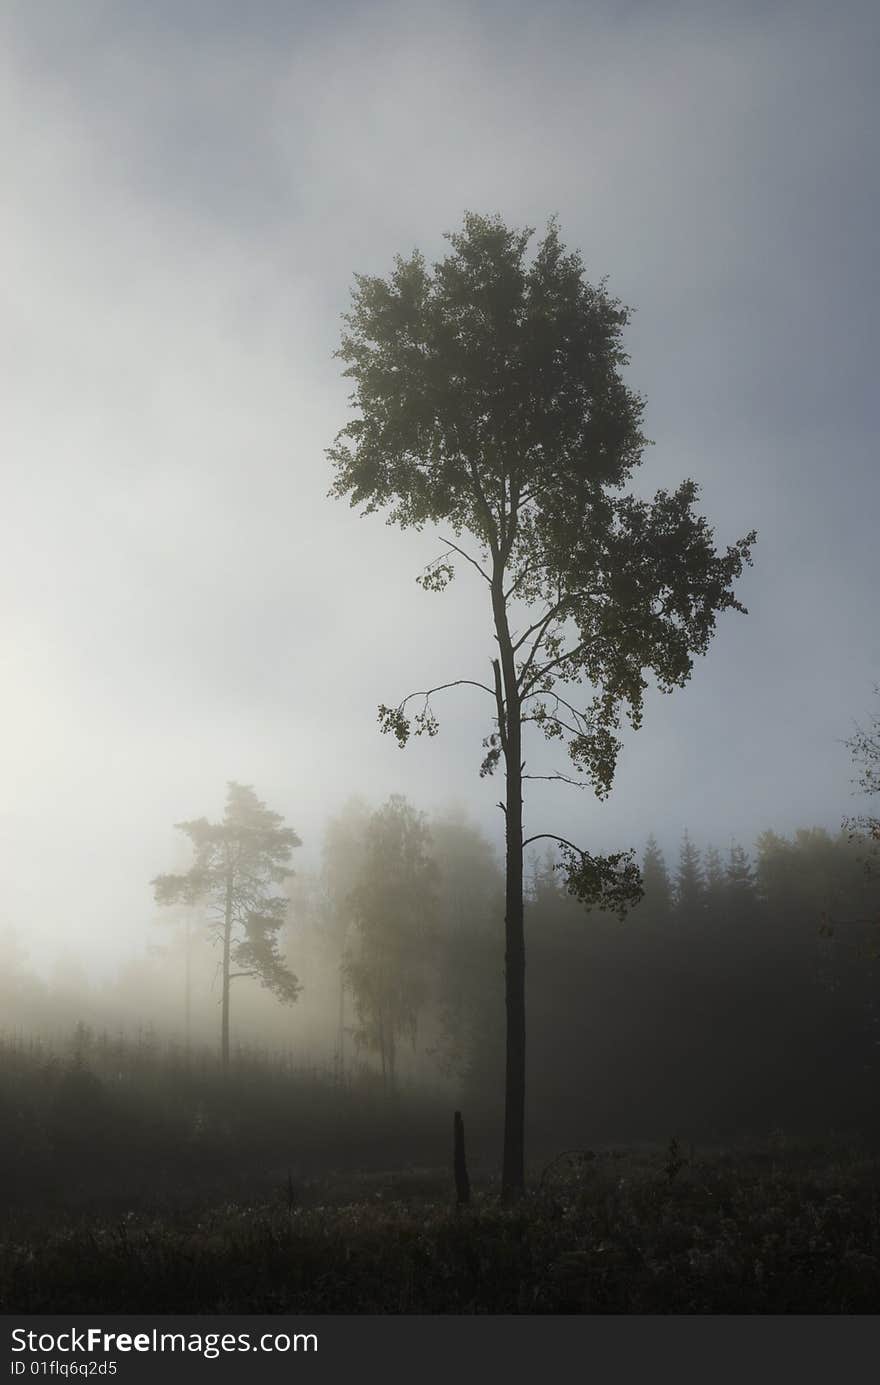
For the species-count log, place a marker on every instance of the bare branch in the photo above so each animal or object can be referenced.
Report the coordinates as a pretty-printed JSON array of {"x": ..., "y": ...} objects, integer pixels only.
[
  {"x": 560, "y": 778},
  {"x": 467, "y": 557},
  {"x": 499, "y": 705},
  {"x": 551, "y": 836},
  {"x": 538, "y": 625},
  {"x": 441, "y": 687}
]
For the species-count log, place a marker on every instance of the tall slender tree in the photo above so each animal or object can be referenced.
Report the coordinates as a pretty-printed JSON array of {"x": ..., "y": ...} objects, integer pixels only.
[
  {"x": 491, "y": 401},
  {"x": 342, "y": 860},
  {"x": 237, "y": 866},
  {"x": 470, "y": 999},
  {"x": 394, "y": 905}
]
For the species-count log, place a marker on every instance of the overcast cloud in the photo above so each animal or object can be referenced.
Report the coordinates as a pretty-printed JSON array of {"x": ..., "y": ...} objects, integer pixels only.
[{"x": 188, "y": 190}]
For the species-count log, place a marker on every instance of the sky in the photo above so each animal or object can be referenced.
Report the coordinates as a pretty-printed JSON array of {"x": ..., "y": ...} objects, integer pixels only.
[{"x": 189, "y": 189}]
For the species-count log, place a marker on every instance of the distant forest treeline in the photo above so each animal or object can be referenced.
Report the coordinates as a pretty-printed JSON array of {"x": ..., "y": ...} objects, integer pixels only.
[{"x": 738, "y": 997}]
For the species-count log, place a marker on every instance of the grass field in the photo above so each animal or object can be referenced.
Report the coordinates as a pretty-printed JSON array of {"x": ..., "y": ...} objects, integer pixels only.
[{"x": 773, "y": 1228}]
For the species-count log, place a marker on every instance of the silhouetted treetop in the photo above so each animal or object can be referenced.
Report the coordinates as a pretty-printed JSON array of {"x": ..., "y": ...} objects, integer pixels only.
[{"x": 491, "y": 397}]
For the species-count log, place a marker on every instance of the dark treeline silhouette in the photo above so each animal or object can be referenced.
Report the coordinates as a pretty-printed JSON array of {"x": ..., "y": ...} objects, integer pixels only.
[
  {"x": 722, "y": 1007},
  {"x": 738, "y": 998},
  {"x": 726, "y": 1004}
]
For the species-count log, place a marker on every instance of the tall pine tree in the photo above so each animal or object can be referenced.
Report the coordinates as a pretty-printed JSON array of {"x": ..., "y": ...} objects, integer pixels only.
[
  {"x": 690, "y": 888},
  {"x": 715, "y": 890},
  {"x": 656, "y": 907},
  {"x": 238, "y": 865},
  {"x": 740, "y": 886}
]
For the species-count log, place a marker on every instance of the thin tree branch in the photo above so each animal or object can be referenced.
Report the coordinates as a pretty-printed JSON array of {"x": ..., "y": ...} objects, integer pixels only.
[
  {"x": 512, "y": 525},
  {"x": 579, "y": 717},
  {"x": 532, "y": 495},
  {"x": 502, "y": 516},
  {"x": 499, "y": 705},
  {"x": 554, "y": 612},
  {"x": 552, "y": 836},
  {"x": 467, "y": 557},
  {"x": 542, "y": 631},
  {"x": 523, "y": 573},
  {"x": 557, "y": 721},
  {"x": 543, "y": 622},
  {"x": 541, "y": 672},
  {"x": 483, "y": 504},
  {"x": 561, "y": 778},
  {"x": 441, "y": 687}
]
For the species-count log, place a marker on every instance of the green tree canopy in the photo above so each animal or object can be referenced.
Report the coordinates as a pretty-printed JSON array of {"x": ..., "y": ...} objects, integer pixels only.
[{"x": 492, "y": 399}]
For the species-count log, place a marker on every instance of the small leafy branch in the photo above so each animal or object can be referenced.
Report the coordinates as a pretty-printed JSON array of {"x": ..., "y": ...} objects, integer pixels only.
[{"x": 612, "y": 883}]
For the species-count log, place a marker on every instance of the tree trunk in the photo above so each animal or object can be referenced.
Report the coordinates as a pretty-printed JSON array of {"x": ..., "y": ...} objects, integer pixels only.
[
  {"x": 510, "y": 726},
  {"x": 382, "y": 1053},
  {"x": 187, "y": 1003},
  {"x": 340, "y": 1033},
  {"x": 513, "y": 1168},
  {"x": 459, "y": 1163},
  {"x": 224, "y": 1017}
]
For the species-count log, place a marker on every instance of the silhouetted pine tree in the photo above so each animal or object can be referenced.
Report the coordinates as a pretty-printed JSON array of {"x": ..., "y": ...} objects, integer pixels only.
[
  {"x": 656, "y": 907},
  {"x": 690, "y": 887},
  {"x": 740, "y": 886},
  {"x": 716, "y": 890}
]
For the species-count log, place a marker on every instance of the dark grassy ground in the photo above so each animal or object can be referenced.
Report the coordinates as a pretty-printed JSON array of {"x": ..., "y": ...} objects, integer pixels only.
[{"x": 761, "y": 1229}]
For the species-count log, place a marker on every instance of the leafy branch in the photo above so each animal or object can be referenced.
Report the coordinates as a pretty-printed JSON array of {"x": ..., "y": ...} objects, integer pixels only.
[
  {"x": 612, "y": 883},
  {"x": 424, "y": 723}
]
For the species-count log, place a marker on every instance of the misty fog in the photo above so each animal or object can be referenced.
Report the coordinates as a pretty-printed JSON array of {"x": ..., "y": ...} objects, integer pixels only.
[
  {"x": 195, "y": 1006},
  {"x": 183, "y": 605}
]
